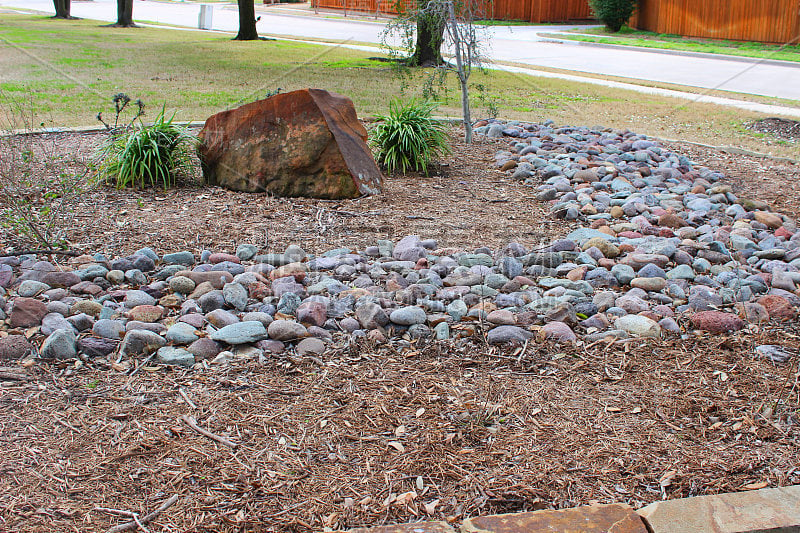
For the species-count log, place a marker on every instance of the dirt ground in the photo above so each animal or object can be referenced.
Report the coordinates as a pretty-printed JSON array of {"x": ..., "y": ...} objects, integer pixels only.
[{"x": 372, "y": 435}]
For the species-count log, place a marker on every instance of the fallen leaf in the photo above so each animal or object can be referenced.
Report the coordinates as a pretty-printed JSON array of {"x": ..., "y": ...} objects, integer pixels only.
[
  {"x": 400, "y": 431},
  {"x": 430, "y": 507},
  {"x": 636, "y": 410},
  {"x": 420, "y": 412},
  {"x": 397, "y": 446},
  {"x": 756, "y": 486}
]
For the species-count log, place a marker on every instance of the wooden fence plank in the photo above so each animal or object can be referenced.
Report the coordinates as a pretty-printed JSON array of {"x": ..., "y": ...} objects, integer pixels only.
[
  {"x": 528, "y": 10},
  {"x": 770, "y": 21}
]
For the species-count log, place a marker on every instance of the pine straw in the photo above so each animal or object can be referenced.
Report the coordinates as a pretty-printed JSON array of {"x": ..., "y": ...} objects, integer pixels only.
[{"x": 372, "y": 434}]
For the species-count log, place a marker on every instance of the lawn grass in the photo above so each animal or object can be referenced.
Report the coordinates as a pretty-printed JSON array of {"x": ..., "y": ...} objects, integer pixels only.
[
  {"x": 64, "y": 72},
  {"x": 647, "y": 39}
]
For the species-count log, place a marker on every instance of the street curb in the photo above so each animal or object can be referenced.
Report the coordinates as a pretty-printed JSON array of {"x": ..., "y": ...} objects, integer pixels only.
[
  {"x": 683, "y": 53},
  {"x": 756, "y": 511}
]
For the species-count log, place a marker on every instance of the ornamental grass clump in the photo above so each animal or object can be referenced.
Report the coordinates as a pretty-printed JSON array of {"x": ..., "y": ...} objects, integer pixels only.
[
  {"x": 409, "y": 138},
  {"x": 154, "y": 155}
]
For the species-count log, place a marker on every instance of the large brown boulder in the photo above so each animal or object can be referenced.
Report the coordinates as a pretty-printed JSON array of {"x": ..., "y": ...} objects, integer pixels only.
[{"x": 302, "y": 143}]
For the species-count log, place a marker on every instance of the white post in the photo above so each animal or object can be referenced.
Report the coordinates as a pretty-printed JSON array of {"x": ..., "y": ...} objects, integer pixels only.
[{"x": 204, "y": 19}]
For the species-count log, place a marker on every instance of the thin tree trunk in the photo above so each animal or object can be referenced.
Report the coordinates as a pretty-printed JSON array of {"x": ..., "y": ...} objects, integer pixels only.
[
  {"x": 247, "y": 21},
  {"x": 463, "y": 76}
]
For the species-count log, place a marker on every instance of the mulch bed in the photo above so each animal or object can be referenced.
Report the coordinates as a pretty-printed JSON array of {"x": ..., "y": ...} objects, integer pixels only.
[
  {"x": 397, "y": 433},
  {"x": 385, "y": 434},
  {"x": 779, "y": 127}
]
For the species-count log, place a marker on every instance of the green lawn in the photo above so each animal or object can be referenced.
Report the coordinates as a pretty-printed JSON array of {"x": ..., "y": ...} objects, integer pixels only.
[
  {"x": 61, "y": 73},
  {"x": 630, "y": 37}
]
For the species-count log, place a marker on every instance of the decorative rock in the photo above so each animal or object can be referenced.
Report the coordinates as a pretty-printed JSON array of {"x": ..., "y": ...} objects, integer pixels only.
[
  {"x": 508, "y": 335},
  {"x": 235, "y": 295},
  {"x": 30, "y": 287},
  {"x": 716, "y": 322},
  {"x": 241, "y": 333},
  {"x": 371, "y": 316},
  {"x": 136, "y": 297},
  {"x": 408, "y": 316},
  {"x": 146, "y": 313},
  {"x": 182, "y": 284},
  {"x": 559, "y": 332},
  {"x": 26, "y": 313},
  {"x": 14, "y": 347},
  {"x": 302, "y": 143},
  {"x": 175, "y": 356},
  {"x": 777, "y": 307},
  {"x": 614, "y": 518},
  {"x": 204, "y": 348},
  {"x": 59, "y": 345},
  {"x": 54, "y": 321},
  {"x": 310, "y": 346},
  {"x": 181, "y": 333},
  {"x": 97, "y": 346},
  {"x": 776, "y": 354},
  {"x": 312, "y": 313},
  {"x": 286, "y": 330},
  {"x": 638, "y": 325},
  {"x": 140, "y": 341},
  {"x": 649, "y": 284}
]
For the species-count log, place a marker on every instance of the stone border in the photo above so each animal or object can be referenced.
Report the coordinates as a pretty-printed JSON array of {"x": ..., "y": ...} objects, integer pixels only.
[{"x": 774, "y": 510}]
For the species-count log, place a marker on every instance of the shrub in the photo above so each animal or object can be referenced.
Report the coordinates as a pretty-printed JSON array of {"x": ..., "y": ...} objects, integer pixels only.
[
  {"x": 43, "y": 184},
  {"x": 408, "y": 138},
  {"x": 153, "y": 155},
  {"x": 613, "y": 13}
]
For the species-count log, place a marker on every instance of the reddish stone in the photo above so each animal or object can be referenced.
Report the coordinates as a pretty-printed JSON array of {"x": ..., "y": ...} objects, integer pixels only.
[
  {"x": 6, "y": 275},
  {"x": 666, "y": 232},
  {"x": 86, "y": 287},
  {"x": 301, "y": 143},
  {"x": 783, "y": 232},
  {"x": 605, "y": 262},
  {"x": 716, "y": 321},
  {"x": 631, "y": 235},
  {"x": 259, "y": 291},
  {"x": 218, "y": 279},
  {"x": 671, "y": 220},
  {"x": 298, "y": 270},
  {"x": 61, "y": 279},
  {"x": 221, "y": 257},
  {"x": 615, "y": 518},
  {"x": 27, "y": 312},
  {"x": 146, "y": 313},
  {"x": 778, "y": 307},
  {"x": 421, "y": 263},
  {"x": 312, "y": 313},
  {"x": 752, "y": 312},
  {"x": 415, "y": 527},
  {"x": 14, "y": 347}
]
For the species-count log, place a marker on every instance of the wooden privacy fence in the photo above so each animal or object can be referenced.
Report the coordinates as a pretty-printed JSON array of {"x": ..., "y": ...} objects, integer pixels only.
[
  {"x": 528, "y": 10},
  {"x": 769, "y": 21}
]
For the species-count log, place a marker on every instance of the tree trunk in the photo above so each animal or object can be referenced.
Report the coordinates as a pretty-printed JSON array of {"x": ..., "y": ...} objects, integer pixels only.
[
  {"x": 247, "y": 21},
  {"x": 62, "y": 9},
  {"x": 463, "y": 72},
  {"x": 430, "y": 36},
  {"x": 124, "y": 14}
]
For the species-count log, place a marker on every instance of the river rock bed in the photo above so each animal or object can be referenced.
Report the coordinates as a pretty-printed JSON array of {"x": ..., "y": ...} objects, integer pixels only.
[{"x": 663, "y": 246}]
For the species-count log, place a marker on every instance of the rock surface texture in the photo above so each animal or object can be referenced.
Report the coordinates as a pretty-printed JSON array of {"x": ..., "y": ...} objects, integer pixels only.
[
  {"x": 303, "y": 143},
  {"x": 618, "y": 273}
]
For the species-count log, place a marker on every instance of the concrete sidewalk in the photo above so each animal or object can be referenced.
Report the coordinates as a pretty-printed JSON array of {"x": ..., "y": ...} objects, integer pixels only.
[{"x": 518, "y": 44}]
